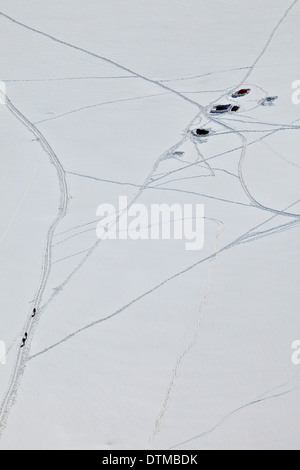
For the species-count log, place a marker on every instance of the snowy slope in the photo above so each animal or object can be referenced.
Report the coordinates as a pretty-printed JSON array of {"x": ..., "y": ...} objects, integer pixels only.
[{"x": 142, "y": 344}]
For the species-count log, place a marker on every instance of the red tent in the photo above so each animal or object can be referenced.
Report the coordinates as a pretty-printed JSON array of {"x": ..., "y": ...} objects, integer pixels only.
[{"x": 243, "y": 91}]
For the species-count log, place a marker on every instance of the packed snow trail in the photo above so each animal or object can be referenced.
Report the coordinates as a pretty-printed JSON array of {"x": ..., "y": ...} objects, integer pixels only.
[
  {"x": 204, "y": 303},
  {"x": 32, "y": 323},
  {"x": 257, "y": 401},
  {"x": 247, "y": 237},
  {"x": 182, "y": 96},
  {"x": 46, "y": 266},
  {"x": 209, "y": 117},
  {"x": 239, "y": 134},
  {"x": 240, "y": 170},
  {"x": 105, "y": 59}
]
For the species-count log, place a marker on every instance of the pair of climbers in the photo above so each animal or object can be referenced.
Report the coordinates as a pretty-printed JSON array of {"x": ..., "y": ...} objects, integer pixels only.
[{"x": 26, "y": 334}]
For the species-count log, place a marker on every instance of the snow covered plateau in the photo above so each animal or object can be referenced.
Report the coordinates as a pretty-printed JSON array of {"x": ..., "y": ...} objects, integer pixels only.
[{"x": 143, "y": 344}]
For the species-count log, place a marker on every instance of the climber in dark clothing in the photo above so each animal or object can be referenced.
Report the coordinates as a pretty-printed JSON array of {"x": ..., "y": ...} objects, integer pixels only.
[
  {"x": 24, "y": 340},
  {"x": 34, "y": 313}
]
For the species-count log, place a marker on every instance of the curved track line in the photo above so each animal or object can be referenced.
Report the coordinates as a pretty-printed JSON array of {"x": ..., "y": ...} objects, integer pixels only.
[
  {"x": 20, "y": 365},
  {"x": 242, "y": 137},
  {"x": 29, "y": 327},
  {"x": 270, "y": 40},
  {"x": 240, "y": 171}
]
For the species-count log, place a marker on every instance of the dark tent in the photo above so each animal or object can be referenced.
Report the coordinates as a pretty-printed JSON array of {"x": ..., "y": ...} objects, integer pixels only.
[{"x": 202, "y": 132}]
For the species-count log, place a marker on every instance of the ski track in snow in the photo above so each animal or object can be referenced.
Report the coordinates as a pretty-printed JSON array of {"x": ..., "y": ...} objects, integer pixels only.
[
  {"x": 227, "y": 152},
  {"x": 105, "y": 103},
  {"x": 179, "y": 363},
  {"x": 31, "y": 325},
  {"x": 243, "y": 156},
  {"x": 150, "y": 187},
  {"x": 255, "y": 402},
  {"x": 245, "y": 238}
]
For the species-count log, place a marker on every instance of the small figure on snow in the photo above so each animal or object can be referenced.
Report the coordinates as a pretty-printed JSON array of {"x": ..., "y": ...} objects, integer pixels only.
[
  {"x": 34, "y": 313},
  {"x": 24, "y": 340}
]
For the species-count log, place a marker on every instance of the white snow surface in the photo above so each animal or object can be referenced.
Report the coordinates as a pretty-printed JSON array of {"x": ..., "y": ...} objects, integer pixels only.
[{"x": 142, "y": 344}]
